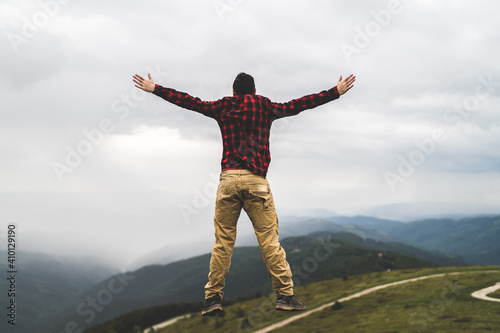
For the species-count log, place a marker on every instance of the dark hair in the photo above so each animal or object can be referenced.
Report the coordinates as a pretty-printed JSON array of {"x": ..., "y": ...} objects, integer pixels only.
[{"x": 244, "y": 84}]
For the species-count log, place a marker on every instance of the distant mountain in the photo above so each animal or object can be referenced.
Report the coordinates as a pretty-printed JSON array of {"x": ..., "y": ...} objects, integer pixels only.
[
  {"x": 306, "y": 226},
  {"x": 45, "y": 285},
  {"x": 476, "y": 239},
  {"x": 367, "y": 227},
  {"x": 290, "y": 226},
  {"x": 312, "y": 258},
  {"x": 403, "y": 248}
]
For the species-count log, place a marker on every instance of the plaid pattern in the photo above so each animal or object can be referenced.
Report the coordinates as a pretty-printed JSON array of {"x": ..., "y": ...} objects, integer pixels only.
[{"x": 245, "y": 122}]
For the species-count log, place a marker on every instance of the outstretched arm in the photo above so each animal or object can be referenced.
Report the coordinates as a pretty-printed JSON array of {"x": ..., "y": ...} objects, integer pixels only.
[
  {"x": 344, "y": 85},
  {"x": 311, "y": 101},
  {"x": 142, "y": 83},
  {"x": 209, "y": 109}
]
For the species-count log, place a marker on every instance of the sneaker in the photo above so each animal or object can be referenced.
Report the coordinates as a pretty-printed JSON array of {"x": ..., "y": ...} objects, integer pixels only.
[
  {"x": 213, "y": 305},
  {"x": 288, "y": 303}
]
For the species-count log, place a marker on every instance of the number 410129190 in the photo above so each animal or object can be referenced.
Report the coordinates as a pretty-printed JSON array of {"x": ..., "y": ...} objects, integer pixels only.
[{"x": 11, "y": 246}]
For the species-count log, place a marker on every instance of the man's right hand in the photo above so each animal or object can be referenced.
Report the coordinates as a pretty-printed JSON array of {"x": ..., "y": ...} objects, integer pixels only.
[
  {"x": 344, "y": 85},
  {"x": 142, "y": 83}
]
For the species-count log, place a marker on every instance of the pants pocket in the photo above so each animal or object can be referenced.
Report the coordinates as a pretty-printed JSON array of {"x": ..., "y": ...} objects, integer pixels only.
[{"x": 261, "y": 194}]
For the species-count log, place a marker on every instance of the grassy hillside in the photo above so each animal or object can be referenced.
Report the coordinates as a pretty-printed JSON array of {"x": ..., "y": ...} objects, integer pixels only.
[
  {"x": 439, "y": 304},
  {"x": 434, "y": 305},
  {"x": 475, "y": 239}
]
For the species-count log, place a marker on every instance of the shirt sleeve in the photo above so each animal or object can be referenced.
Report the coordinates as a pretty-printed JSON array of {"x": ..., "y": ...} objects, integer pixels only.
[
  {"x": 298, "y": 105},
  {"x": 186, "y": 101}
]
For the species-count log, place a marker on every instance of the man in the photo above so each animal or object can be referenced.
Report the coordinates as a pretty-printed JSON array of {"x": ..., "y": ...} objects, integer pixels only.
[{"x": 245, "y": 122}]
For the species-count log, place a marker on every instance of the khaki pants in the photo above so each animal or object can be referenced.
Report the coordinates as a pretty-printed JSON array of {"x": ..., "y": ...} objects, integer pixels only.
[{"x": 243, "y": 189}]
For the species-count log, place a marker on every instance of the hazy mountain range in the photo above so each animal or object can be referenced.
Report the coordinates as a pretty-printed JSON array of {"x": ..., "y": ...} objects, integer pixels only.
[
  {"x": 54, "y": 289},
  {"x": 441, "y": 235}
]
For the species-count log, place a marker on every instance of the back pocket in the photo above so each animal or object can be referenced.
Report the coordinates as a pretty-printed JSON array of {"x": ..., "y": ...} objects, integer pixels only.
[{"x": 262, "y": 192}]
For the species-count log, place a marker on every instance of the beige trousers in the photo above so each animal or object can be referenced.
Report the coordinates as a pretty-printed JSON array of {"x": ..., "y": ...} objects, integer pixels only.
[{"x": 243, "y": 189}]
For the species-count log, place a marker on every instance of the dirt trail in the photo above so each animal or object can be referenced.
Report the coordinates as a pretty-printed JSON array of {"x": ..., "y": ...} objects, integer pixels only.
[
  {"x": 481, "y": 294},
  {"x": 165, "y": 323}
]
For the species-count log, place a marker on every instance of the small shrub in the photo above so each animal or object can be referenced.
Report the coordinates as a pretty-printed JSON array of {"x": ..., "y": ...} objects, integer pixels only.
[
  {"x": 240, "y": 313},
  {"x": 463, "y": 320},
  {"x": 336, "y": 306}
]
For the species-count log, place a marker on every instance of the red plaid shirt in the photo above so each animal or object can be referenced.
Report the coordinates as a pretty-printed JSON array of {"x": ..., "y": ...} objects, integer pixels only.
[{"x": 245, "y": 122}]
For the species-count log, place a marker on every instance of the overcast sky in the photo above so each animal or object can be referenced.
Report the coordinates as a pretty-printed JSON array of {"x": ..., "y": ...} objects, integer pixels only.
[{"x": 87, "y": 155}]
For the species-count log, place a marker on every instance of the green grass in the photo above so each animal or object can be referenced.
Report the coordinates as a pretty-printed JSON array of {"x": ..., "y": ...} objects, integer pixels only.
[{"x": 439, "y": 304}]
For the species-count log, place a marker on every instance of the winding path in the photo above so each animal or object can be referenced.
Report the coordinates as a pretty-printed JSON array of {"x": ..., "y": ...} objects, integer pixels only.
[{"x": 481, "y": 294}]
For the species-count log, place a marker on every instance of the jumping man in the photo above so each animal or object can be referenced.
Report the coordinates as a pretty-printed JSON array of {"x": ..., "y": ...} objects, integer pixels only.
[{"x": 245, "y": 122}]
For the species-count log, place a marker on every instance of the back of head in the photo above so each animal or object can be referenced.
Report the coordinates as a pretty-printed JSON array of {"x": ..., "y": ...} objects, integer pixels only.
[{"x": 244, "y": 84}]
